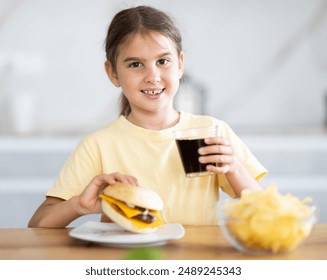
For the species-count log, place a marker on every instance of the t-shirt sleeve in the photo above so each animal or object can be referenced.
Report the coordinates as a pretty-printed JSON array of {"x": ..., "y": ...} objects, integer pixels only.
[
  {"x": 79, "y": 169},
  {"x": 256, "y": 169}
]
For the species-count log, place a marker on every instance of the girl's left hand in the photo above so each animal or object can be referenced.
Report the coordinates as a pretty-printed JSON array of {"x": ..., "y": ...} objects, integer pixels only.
[{"x": 219, "y": 155}]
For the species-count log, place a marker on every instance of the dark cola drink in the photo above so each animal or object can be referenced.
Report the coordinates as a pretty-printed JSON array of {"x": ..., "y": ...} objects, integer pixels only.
[
  {"x": 188, "y": 150},
  {"x": 188, "y": 142}
]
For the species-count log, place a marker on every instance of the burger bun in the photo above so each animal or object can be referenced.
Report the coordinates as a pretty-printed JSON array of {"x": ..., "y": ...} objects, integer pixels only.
[{"x": 131, "y": 195}]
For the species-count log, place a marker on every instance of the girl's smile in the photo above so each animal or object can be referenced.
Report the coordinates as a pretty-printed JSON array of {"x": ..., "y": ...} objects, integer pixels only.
[{"x": 152, "y": 91}]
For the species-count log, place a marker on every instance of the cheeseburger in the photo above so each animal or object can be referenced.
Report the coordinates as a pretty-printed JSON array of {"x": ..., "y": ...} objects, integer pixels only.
[{"x": 135, "y": 208}]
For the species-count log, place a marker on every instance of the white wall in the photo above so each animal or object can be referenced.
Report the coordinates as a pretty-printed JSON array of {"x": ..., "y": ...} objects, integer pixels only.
[{"x": 263, "y": 62}]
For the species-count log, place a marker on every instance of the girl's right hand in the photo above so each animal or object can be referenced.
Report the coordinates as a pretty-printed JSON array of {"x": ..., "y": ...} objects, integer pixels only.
[{"x": 89, "y": 200}]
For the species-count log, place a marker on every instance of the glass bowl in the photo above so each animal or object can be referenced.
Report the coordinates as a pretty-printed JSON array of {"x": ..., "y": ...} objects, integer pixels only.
[{"x": 264, "y": 231}]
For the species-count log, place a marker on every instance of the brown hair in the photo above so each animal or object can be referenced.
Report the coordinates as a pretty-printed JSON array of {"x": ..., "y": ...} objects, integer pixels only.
[{"x": 131, "y": 21}]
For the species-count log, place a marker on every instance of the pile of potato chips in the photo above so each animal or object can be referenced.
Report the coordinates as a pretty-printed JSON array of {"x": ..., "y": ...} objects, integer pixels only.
[{"x": 267, "y": 220}]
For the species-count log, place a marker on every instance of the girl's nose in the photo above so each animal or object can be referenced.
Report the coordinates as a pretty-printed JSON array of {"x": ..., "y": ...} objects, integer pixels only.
[{"x": 152, "y": 75}]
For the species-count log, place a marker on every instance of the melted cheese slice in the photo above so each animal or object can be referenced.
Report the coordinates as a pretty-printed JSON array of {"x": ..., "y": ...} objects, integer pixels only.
[{"x": 129, "y": 213}]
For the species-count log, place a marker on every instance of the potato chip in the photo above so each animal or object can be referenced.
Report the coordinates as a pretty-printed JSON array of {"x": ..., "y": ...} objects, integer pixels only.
[{"x": 267, "y": 220}]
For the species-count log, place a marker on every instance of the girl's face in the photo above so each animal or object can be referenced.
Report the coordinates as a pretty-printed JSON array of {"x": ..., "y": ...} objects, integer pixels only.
[{"x": 148, "y": 70}]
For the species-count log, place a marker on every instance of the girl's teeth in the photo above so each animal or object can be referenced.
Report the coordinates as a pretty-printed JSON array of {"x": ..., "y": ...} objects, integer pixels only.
[{"x": 152, "y": 92}]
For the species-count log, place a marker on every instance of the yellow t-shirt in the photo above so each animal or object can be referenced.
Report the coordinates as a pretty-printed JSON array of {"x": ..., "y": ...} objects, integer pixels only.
[{"x": 152, "y": 157}]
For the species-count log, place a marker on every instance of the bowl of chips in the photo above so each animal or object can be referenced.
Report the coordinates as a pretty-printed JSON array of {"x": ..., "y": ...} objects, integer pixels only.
[{"x": 263, "y": 222}]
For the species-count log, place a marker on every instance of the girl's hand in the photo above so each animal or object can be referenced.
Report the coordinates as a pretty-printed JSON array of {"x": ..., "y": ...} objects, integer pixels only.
[
  {"x": 89, "y": 200},
  {"x": 219, "y": 153}
]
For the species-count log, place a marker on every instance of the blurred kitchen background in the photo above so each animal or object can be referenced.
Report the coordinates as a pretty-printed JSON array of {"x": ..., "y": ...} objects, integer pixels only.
[{"x": 260, "y": 65}]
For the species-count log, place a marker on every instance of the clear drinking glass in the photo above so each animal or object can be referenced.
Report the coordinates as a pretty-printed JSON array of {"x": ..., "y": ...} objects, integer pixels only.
[{"x": 188, "y": 142}]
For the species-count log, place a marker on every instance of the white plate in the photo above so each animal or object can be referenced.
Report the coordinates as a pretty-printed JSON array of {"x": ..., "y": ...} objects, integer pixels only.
[{"x": 111, "y": 234}]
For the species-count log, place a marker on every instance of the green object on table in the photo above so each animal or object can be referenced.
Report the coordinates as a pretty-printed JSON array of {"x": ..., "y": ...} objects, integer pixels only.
[{"x": 144, "y": 254}]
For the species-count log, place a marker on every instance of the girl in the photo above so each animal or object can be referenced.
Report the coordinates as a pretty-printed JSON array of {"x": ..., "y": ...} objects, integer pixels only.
[{"x": 145, "y": 59}]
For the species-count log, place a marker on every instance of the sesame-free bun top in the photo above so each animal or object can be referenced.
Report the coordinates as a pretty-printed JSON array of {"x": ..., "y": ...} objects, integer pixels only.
[{"x": 136, "y": 195}]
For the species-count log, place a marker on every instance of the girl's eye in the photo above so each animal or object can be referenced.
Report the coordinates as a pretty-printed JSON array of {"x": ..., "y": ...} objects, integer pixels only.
[
  {"x": 163, "y": 61},
  {"x": 135, "y": 64}
]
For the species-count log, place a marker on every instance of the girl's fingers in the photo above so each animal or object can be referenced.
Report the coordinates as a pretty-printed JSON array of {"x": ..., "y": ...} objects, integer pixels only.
[
  {"x": 216, "y": 145},
  {"x": 221, "y": 169},
  {"x": 216, "y": 149},
  {"x": 126, "y": 179},
  {"x": 219, "y": 155},
  {"x": 219, "y": 159},
  {"x": 104, "y": 180}
]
